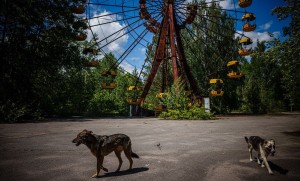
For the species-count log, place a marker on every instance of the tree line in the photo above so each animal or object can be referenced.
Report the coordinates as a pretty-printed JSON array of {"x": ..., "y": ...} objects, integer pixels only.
[{"x": 43, "y": 69}]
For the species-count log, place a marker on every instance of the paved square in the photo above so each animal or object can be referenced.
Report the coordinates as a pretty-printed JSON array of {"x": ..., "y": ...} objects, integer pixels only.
[{"x": 169, "y": 150}]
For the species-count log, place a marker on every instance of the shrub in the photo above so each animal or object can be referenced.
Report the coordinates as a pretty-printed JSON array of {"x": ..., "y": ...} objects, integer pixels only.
[
  {"x": 176, "y": 101},
  {"x": 194, "y": 113},
  {"x": 11, "y": 112}
]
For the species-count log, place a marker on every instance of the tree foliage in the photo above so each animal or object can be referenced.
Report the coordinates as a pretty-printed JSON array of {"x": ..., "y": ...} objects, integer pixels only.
[
  {"x": 288, "y": 52},
  {"x": 262, "y": 91},
  {"x": 37, "y": 50},
  {"x": 43, "y": 74},
  {"x": 210, "y": 44},
  {"x": 273, "y": 79},
  {"x": 178, "y": 107}
]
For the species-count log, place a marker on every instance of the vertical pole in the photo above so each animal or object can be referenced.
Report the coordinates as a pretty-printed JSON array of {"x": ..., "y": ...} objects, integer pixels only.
[
  {"x": 130, "y": 110},
  {"x": 172, "y": 42},
  {"x": 164, "y": 72}
]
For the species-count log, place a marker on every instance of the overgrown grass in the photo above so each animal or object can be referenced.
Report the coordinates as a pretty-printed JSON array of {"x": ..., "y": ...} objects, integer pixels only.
[
  {"x": 178, "y": 105},
  {"x": 194, "y": 113}
]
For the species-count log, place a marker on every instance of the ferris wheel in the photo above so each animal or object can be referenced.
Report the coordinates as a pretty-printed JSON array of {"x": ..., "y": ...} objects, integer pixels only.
[{"x": 126, "y": 28}]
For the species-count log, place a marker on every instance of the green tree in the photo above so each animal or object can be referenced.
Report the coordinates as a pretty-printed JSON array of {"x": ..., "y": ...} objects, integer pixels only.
[
  {"x": 210, "y": 43},
  {"x": 107, "y": 102},
  {"x": 38, "y": 51},
  {"x": 287, "y": 52},
  {"x": 262, "y": 91}
]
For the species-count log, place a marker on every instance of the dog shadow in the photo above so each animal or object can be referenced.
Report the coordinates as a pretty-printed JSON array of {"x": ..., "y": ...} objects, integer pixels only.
[
  {"x": 277, "y": 168},
  {"x": 125, "y": 172}
]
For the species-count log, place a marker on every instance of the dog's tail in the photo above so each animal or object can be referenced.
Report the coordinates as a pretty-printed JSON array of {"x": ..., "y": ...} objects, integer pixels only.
[
  {"x": 247, "y": 141},
  {"x": 134, "y": 155}
]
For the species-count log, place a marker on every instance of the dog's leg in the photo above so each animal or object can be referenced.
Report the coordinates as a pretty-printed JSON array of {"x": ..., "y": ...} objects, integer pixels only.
[
  {"x": 128, "y": 155},
  {"x": 258, "y": 158},
  {"x": 105, "y": 169},
  {"x": 250, "y": 151},
  {"x": 118, "y": 154},
  {"x": 263, "y": 155},
  {"x": 99, "y": 166}
]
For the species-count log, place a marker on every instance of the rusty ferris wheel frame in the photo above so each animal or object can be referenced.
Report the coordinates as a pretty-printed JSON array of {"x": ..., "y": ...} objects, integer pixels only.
[
  {"x": 167, "y": 29},
  {"x": 169, "y": 32}
]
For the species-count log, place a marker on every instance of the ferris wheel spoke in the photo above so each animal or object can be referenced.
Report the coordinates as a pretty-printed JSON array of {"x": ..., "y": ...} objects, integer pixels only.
[
  {"x": 192, "y": 34},
  {"x": 216, "y": 33},
  {"x": 226, "y": 27},
  {"x": 114, "y": 33},
  {"x": 227, "y": 10},
  {"x": 207, "y": 63},
  {"x": 133, "y": 30},
  {"x": 130, "y": 48},
  {"x": 198, "y": 4},
  {"x": 118, "y": 20},
  {"x": 235, "y": 19},
  {"x": 209, "y": 36},
  {"x": 217, "y": 1},
  {"x": 196, "y": 24},
  {"x": 204, "y": 6},
  {"x": 116, "y": 38},
  {"x": 179, "y": 1},
  {"x": 188, "y": 44},
  {"x": 137, "y": 34},
  {"x": 111, "y": 5},
  {"x": 235, "y": 13},
  {"x": 116, "y": 13},
  {"x": 122, "y": 12},
  {"x": 178, "y": 17},
  {"x": 156, "y": 3},
  {"x": 140, "y": 38}
]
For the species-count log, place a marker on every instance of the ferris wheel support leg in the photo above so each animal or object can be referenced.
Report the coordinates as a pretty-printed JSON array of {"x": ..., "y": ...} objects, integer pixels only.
[
  {"x": 184, "y": 63},
  {"x": 159, "y": 56},
  {"x": 172, "y": 43}
]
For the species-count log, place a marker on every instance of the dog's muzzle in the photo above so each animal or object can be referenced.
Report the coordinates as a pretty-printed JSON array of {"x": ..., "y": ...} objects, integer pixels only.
[
  {"x": 78, "y": 142},
  {"x": 272, "y": 152}
]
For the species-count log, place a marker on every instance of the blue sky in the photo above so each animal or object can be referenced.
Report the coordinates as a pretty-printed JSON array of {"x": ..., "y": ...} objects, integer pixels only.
[
  {"x": 263, "y": 11},
  {"x": 266, "y": 23}
]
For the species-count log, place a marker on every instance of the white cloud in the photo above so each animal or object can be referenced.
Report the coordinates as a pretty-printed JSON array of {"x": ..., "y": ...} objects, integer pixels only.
[
  {"x": 135, "y": 58},
  {"x": 266, "y": 26},
  {"x": 261, "y": 36},
  {"x": 126, "y": 66},
  {"x": 105, "y": 30},
  {"x": 228, "y": 4},
  {"x": 142, "y": 50}
]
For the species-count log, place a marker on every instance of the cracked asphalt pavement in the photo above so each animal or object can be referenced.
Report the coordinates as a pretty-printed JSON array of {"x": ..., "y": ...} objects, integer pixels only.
[{"x": 208, "y": 150}]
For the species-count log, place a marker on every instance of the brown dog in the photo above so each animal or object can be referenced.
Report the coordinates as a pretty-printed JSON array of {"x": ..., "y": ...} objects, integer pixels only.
[{"x": 101, "y": 146}]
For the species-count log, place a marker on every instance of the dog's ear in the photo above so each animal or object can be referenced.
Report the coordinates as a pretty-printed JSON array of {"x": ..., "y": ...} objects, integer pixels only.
[
  {"x": 273, "y": 141},
  {"x": 89, "y": 132}
]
